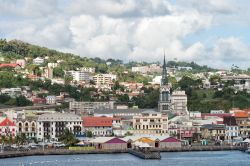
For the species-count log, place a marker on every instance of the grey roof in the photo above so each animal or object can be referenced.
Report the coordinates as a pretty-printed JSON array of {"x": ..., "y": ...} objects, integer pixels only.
[
  {"x": 59, "y": 117},
  {"x": 119, "y": 111},
  {"x": 213, "y": 127}
]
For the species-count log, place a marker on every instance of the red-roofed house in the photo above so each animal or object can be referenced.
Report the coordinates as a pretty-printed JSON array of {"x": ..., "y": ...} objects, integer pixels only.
[
  {"x": 8, "y": 128},
  {"x": 99, "y": 126},
  {"x": 170, "y": 142},
  {"x": 243, "y": 122},
  {"x": 13, "y": 65}
]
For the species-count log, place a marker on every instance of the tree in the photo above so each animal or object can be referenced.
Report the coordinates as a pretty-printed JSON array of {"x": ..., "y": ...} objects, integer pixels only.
[
  {"x": 22, "y": 101},
  {"x": 68, "y": 138},
  {"x": 89, "y": 134},
  {"x": 68, "y": 79},
  {"x": 58, "y": 72}
]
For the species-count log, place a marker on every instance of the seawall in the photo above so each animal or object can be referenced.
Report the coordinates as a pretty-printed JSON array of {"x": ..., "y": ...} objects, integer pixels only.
[{"x": 73, "y": 152}]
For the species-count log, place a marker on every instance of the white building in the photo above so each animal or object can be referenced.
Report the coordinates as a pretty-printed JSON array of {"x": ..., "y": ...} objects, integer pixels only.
[
  {"x": 52, "y": 65},
  {"x": 38, "y": 61},
  {"x": 50, "y": 99},
  {"x": 21, "y": 62},
  {"x": 27, "y": 126},
  {"x": 11, "y": 91},
  {"x": 179, "y": 103},
  {"x": 79, "y": 75},
  {"x": 150, "y": 122},
  {"x": 88, "y": 69},
  {"x": 100, "y": 79},
  {"x": 52, "y": 125}
]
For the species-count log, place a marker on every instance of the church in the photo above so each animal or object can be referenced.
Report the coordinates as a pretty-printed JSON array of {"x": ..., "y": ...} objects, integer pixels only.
[{"x": 175, "y": 103}]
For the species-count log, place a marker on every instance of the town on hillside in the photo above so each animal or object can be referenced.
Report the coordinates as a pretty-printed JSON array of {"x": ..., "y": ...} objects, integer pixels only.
[{"x": 51, "y": 99}]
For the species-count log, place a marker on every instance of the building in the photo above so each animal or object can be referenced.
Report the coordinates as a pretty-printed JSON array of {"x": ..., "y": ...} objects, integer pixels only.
[
  {"x": 27, "y": 126},
  {"x": 109, "y": 143},
  {"x": 99, "y": 126},
  {"x": 84, "y": 107},
  {"x": 213, "y": 132},
  {"x": 11, "y": 65},
  {"x": 88, "y": 69},
  {"x": 50, "y": 100},
  {"x": 179, "y": 103},
  {"x": 11, "y": 91},
  {"x": 21, "y": 62},
  {"x": 52, "y": 125},
  {"x": 150, "y": 122},
  {"x": 52, "y": 65},
  {"x": 79, "y": 76},
  {"x": 242, "y": 120},
  {"x": 7, "y": 128},
  {"x": 101, "y": 79},
  {"x": 38, "y": 61},
  {"x": 164, "y": 104},
  {"x": 48, "y": 72},
  {"x": 231, "y": 128}
]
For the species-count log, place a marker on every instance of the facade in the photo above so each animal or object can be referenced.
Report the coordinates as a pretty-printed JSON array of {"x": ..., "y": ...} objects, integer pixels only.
[
  {"x": 7, "y": 128},
  {"x": 84, "y": 107},
  {"x": 79, "y": 76},
  {"x": 213, "y": 132},
  {"x": 51, "y": 100},
  {"x": 179, "y": 103},
  {"x": 242, "y": 119},
  {"x": 99, "y": 126},
  {"x": 88, "y": 69},
  {"x": 52, "y": 125},
  {"x": 231, "y": 128},
  {"x": 27, "y": 126},
  {"x": 48, "y": 72},
  {"x": 52, "y": 65},
  {"x": 11, "y": 91},
  {"x": 150, "y": 122},
  {"x": 101, "y": 79},
  {"x": 38, "y": 61},
  {"x": 164, "y": 104}
]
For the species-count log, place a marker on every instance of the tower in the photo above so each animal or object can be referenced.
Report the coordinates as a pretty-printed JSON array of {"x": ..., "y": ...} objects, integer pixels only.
[{"x": 164, "y": 104}]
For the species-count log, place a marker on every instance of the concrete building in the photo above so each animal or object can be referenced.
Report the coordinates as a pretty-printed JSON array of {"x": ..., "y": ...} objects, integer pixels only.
[
  {"x": 11, "y": 91},
  {"x": 179, "y": 103},
  {"x": 38, "y": 61},
  {"x": 231, "y": 128},
  {"x": 88, "y": 69},
  {"x": 100, "y": 79},
  {"x": 50, "y": 99},
  {"x": 79, "y": 76},
  {"x": 52, "y": 125},
  {"x": 150, "y": 122},
  {"x": 52, "y": 65},
  {"x": 213, "y": 132},
  {"x": 84, "y": 107},
  {"x": 242, "y": 120},
  {"x": 48, "y": 72}
]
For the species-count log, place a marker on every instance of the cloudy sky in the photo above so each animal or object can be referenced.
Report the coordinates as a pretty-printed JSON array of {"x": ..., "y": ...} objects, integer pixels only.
[{"x": 211, "y": 32}]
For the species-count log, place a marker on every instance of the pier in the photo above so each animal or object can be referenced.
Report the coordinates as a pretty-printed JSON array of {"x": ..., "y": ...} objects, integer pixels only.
[{"x": 145, "y": 155}]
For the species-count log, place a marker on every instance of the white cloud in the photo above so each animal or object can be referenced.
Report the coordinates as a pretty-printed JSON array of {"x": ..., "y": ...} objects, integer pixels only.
[{"x": 127, "y": 29}]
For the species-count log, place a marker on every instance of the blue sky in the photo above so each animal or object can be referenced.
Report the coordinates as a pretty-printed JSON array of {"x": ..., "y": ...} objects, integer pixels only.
[{"x": 211, "y": 32}]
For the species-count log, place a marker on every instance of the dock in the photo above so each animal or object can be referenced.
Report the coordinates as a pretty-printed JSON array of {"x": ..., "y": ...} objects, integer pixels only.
[{"x": 149, "y": 155}]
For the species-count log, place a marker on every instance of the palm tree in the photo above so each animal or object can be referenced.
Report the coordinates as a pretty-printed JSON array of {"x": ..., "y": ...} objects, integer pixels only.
[{"x": 68, "y": 138}]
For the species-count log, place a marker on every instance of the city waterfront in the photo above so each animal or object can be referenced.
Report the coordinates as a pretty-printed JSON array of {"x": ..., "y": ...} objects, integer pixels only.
[{"x": 215, "y": 158}]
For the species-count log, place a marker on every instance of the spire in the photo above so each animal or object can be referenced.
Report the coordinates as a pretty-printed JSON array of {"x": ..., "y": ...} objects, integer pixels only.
[{"x": 164, "y": 80}]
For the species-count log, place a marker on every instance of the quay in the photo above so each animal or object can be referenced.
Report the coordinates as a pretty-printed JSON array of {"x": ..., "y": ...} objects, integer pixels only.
[
  {"x": 9, "y": 154},
  {"x": 150, "y": 155}
]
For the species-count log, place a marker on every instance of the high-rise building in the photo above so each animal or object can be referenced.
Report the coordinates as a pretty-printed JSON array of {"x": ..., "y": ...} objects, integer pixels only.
[{"x": 164, "y": 104}]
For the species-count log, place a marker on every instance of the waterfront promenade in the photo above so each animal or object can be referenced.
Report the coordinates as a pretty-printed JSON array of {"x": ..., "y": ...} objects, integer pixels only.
[{"x": 10, "y": 154}]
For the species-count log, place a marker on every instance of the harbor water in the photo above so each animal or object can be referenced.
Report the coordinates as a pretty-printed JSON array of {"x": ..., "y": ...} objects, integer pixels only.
[{"x": 206, "y": 158}]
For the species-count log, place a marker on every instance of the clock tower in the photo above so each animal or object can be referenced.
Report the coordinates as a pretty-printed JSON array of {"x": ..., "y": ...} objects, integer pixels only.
[{"x": 164, "y": 104}]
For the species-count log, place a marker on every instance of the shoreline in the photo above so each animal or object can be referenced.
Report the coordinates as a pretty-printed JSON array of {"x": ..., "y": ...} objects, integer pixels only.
[{"x": 75, "y": 152}]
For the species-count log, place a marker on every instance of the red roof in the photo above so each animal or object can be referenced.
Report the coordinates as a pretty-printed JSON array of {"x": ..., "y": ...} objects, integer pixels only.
[
  {"x": 115, "y": 141},
  {"x": 97, "y": 122},
  {"x": 9, "y": 65},
  {"x": 7, "y": 122},
  {"x": 241, "y": 114},
  {"x": 170, "y": 139}
]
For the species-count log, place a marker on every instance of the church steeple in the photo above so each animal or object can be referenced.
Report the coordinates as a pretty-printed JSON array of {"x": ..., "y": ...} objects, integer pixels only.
[{"x": 164, "y": 79}]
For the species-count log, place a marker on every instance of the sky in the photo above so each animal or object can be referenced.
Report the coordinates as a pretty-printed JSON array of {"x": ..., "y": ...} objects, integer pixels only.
[{"x": 210, "y": 32}]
